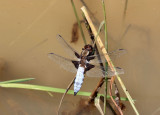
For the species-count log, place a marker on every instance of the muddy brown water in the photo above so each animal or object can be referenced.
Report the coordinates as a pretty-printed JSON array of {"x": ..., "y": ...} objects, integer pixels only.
[{"x": 28, "y": 32}]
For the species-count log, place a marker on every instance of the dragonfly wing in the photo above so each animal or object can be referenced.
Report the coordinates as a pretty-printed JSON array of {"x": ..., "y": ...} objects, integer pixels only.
[
  {"x": 114, "y": 54},
  {"x": 117, "y": 53},
  {"x": 96, "y": 71},
  {"x": 69, "y": 50},
  {"x": 117, "y": 71},
  {"x": 67, "y": 64}
]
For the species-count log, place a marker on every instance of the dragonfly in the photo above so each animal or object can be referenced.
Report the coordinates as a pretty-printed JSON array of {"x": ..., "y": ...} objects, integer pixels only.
[{"x": 83, "y": 63}]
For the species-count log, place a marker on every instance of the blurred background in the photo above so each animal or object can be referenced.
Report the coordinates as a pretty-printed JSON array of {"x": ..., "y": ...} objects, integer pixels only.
[{"x": 28, "y": 33}]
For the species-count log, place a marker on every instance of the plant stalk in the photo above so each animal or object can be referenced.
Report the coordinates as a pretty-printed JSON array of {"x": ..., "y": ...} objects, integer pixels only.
[
  {"x": 106, "y": 63},
  {"x": 79, "y": 23}
]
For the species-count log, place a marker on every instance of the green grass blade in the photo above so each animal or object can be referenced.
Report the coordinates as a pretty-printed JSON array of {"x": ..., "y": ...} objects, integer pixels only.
[
  {"x": 106, "y": 63},
  {"x": 17, "y": 80},
  {"x": 50, "y": 89},
  {"x": 79, "y": 24}
]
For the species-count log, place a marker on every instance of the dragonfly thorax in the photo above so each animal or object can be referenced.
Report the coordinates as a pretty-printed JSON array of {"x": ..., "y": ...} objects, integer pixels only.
[
  {"x": 84, "y": 53},
  {"x": 83, "y": 62},
  {"x": 83, "y": 58}
]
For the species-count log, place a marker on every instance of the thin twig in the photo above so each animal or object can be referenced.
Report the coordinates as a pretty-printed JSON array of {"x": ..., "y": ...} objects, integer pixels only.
[
  {"x": 96, "y": 90},
  {"x": 110, "y": 93},
  {"x": 90, "y": 12},
  {"x": 100, "y": 83},
  {"x": 110, "y": 105},
  {"x": 69, "y": 86},
  {"x": 106, "y": 63}
]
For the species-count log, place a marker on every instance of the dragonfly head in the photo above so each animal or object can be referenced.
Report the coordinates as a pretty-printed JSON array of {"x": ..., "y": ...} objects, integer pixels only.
[{"x": 88, "y": 48}]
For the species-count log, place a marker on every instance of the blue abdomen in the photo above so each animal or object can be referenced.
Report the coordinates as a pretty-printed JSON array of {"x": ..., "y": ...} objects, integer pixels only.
[{"x": 79, "y": 80}]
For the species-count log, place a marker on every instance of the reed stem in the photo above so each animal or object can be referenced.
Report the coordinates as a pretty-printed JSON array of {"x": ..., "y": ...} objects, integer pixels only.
[
  {"x": 106, "y": 63},
  {"x": 79, "y": 23}
]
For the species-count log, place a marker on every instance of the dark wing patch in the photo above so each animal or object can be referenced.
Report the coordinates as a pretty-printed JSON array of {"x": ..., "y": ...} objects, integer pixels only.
[
  {"x": 76, "y": 64},
  {"x": 90, "y": 58},
  {"x": 77, "y": 55},
  {"x": 88, "y": 67}
]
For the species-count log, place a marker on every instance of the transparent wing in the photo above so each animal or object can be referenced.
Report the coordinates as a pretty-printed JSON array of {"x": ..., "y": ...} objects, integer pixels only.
[
  {"x": 69, "y": 50},
  {"x": 63, "y": 62},
  {"x": 98, "y": 72},
  {"x": 117, "y": 53},
  {"x": 113, "y": 55}
]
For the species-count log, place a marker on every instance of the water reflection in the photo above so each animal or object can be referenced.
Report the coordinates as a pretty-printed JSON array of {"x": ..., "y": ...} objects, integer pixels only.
[{"x": 24, "y": 24}]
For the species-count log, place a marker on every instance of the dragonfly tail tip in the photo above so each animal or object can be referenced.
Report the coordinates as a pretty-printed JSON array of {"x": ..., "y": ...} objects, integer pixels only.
[{"x": 75, "y": 93}]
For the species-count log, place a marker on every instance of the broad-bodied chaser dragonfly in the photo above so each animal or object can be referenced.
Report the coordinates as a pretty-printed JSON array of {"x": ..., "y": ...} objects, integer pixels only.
[{"x": 83, "y": 63}]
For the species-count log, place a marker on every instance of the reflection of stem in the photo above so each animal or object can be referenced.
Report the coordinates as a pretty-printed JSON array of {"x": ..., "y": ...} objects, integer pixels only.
[
  {"x": 123, "y": 35},
  {"x": 30, "y": 25},
  {"x": 125, "y": 9},
  {"x": 75, "y": 32},
  {"x": 125, "y": 32}
]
